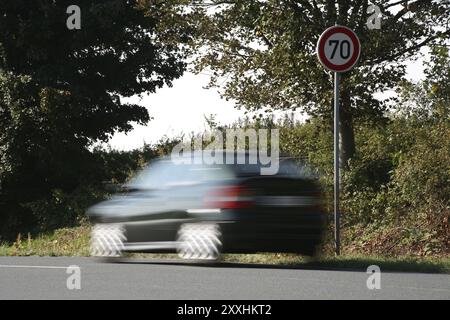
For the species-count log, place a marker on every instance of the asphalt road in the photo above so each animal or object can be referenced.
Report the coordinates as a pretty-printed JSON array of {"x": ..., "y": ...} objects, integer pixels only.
[{"x": 46, "y": 278}]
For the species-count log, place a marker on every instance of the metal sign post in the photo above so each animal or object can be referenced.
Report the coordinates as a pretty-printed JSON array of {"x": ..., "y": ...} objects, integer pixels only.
[
  {"x": 338, "y": 50},
  {"x": 337, "y": 216}
]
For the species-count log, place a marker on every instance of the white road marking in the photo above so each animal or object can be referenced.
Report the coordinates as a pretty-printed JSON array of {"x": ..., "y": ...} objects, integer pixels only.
[{"x": 31, "y": 267}]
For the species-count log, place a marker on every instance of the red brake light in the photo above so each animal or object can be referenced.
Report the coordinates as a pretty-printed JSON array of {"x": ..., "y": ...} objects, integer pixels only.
[{"x": 229, "y": 197}]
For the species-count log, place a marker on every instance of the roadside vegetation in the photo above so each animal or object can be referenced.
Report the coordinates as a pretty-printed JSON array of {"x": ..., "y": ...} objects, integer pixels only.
[
  {"x": 396, "y": 175},
  {"x": 395, "y": 191},
  {"x": 61, "y": 242},
  {"x": 394, "y": 201},
  {"x": 75, "y": 242}
]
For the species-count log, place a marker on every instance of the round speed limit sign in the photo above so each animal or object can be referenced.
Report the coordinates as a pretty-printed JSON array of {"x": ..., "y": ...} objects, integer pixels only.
[{"x": 338, "y": 49}]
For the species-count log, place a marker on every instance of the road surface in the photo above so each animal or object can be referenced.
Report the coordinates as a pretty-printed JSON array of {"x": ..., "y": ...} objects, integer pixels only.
[{"x": 46, "y": 278}]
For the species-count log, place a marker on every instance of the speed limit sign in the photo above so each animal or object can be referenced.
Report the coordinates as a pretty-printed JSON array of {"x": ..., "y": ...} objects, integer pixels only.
[{"x": 338, "y": 49}]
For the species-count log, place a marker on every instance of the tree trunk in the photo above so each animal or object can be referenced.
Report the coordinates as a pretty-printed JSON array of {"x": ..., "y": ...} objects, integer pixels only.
[
  {"x": 346, "y": 140},
  {"x": 346, "y": 132}
]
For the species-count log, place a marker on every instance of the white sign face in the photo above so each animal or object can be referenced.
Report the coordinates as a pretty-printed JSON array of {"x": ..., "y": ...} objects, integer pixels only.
[{"x": 338, "y": 49}]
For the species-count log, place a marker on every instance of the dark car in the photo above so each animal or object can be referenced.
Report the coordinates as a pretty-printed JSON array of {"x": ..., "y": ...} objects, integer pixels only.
[{"x": 201, "y": 210}]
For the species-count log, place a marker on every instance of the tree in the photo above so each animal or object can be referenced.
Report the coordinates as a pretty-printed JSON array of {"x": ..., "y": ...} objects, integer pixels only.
[
  {"x": 61, "y": 90},
  {"x": 262, "y": 53},
  {"x": 429, "y": 99}
]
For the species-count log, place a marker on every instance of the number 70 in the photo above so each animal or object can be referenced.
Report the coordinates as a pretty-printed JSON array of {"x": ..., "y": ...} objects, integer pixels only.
[{"x": 344, "y": 48}]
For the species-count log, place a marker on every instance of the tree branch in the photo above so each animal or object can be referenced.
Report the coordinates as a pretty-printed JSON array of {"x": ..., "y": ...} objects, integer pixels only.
[{"x": 409, "y": 49}]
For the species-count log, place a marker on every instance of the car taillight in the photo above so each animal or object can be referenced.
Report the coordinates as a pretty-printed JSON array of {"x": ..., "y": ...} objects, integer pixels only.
[{"x": 229, "y": 197}]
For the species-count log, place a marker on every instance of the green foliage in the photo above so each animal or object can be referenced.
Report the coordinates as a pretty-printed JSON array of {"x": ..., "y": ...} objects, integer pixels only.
[
  {"x": 428, "y": 99},
  {"x": 119, "y": 166},
  {"x": 262, "y": 54},
  {"x": 62, "y": 90},
  {"x": 395, "y": 194},
  {"x": 311, "y": 141},
  {"x": 61, "y": 209},
  {"x": 266, "y": 50},
  {"x": 423, "y": 175}
]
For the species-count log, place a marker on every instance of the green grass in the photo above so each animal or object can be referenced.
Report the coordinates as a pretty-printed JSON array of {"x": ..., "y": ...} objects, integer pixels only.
[
  {"x": 348, "y": 262},
  {"x": 75, "y": 242},
  {"x": 404, "y": 264},
  {"x": 62, "y": 242}
]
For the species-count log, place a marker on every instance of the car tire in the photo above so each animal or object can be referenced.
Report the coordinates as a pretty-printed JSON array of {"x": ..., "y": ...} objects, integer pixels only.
[
  {"x": 107, "y": 240},
  {"x": 199, "y": 241}
]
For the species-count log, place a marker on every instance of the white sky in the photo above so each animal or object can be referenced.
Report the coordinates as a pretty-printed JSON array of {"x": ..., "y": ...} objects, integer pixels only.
[
  {"x": 176, "y": 110},
  {"x": 181, "y": 109}
]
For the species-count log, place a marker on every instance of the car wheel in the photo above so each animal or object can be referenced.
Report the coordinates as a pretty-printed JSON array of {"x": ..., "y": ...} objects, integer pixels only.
[
  {"x": 107, "y": 240},
  {"x": 201, "y": 241}
]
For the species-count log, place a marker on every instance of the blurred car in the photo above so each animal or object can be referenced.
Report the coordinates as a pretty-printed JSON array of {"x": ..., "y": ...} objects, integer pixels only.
[{"x": 201, "y": 211}]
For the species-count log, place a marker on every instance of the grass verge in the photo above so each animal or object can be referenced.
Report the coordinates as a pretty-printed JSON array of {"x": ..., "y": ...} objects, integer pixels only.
[
  {"x": 75, "y": 242},
  {"x": 61, "y": 242}
]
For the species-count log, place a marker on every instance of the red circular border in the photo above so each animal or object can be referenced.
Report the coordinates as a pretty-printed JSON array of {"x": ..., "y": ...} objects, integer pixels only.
[{"x": 321, "y": 49}]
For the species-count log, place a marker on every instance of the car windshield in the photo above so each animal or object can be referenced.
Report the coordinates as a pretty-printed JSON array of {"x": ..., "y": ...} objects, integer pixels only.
[
  {"x": 165, "y": 173},
  {"x": 161, "y": 174}
]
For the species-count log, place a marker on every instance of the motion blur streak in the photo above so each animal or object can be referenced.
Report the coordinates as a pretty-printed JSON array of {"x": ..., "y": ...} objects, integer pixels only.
[{"x": 201, "y": 211}]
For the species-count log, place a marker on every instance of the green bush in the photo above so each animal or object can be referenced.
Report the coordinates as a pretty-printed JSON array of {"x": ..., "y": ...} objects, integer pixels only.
[
  {"x": 395, "y": 192},
  {"x": 405, "y": 210}
]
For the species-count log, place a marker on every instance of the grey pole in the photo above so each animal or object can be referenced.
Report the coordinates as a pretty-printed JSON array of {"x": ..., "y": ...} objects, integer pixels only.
[{"x": 337, "y": 237}]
